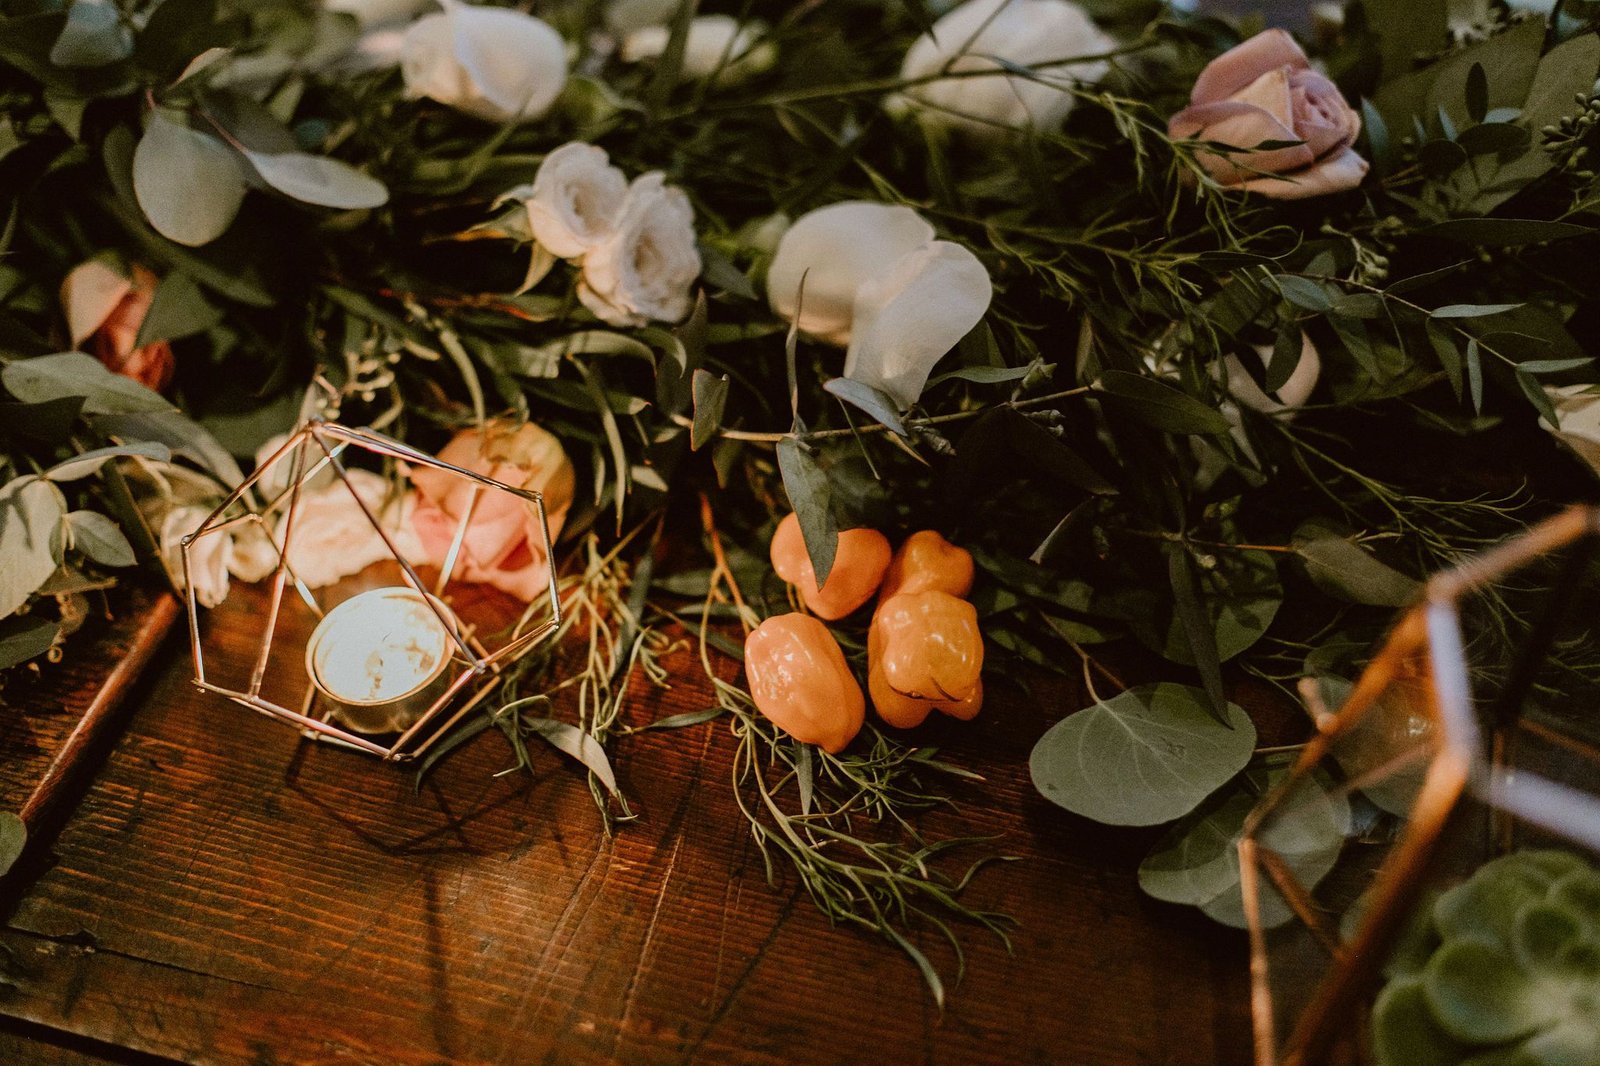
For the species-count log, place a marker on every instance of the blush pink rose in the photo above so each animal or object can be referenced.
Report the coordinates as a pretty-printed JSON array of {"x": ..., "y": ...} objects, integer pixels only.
[
  {"x": 1261, "y": 91},
  {"x": 503, "y": 545},
  {"x": 105, "y": 308}
]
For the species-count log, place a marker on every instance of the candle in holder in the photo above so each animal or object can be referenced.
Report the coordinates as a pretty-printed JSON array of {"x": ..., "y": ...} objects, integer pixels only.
[{"x": 380, "y": 658}]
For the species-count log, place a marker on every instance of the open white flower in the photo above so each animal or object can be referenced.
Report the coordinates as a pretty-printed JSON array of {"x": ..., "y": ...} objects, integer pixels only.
[
  {"x": 332, "y": 536},
  {"x": 980, "y": 34},
  {"x": 908, "y": 319},
  {"x": 833, "y": 251},
  {"x": 489, "y": 62},
  {"x": 209, "y": 555},
  {"x": 872, "y": 278},
  {"x": 644, "y": 270},
  {"x": 1578, "y": 411},
  {"x": 716, "y": 43},
  {"x": 574, "y": 201}
]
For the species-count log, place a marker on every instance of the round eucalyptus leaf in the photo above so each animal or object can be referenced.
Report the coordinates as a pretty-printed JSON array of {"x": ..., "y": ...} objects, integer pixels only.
[
  {"x": 188, "y": 183},
  {"x": 1542, "y": 932},
  {"x": 318, "y": 180},
  {"x": 1479, "y": 995},
  {"x": 1404, "y": 1032},
  {"x": 1144, "y": 757}
]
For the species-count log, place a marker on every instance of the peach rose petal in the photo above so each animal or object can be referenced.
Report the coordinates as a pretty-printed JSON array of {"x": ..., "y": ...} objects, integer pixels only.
[
  {"x": 1242, "y": 64},
  {"x": 1336, "y": 173}
]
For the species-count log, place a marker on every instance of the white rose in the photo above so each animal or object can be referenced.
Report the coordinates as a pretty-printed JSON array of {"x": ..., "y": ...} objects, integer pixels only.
[
  {"x": 489, "y": 62},
  {"x": 574, "y": 201},
  {"x": 908, "y": 319},
  {"x": 877, "y": 282},
  {"x": 717, "y": 44},
  {"x": 1294, "y": 392},
  {"x": 833, "y": 250},
  {"x": 333, "y": 538},
  {"x": 1578, "y": 411},
  {"x": 209, "y": 555},
  {"x": 645, "y": 269},
  {"x": 1028, "y": 33}
]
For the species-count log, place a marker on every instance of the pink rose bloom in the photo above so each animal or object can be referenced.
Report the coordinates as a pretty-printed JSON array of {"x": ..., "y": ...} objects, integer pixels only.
[
  {"x": 503, "y": 545},
  {"x": 106, "y": 308},
  {"x": 1265, "y": 90}
]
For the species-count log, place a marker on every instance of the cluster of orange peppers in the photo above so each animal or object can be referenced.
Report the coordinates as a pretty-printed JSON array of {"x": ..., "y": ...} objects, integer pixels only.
[{"x": 924, "y": 650}]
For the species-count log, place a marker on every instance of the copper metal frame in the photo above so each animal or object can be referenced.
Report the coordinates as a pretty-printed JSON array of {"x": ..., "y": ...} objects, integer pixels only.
[
  {"x": 1428, "y": 632},
  {"x": 479, "y": 666}
]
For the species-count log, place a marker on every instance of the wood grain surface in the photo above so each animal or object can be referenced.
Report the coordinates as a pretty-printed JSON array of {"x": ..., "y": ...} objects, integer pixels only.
[{"x": 225, "y": 893}]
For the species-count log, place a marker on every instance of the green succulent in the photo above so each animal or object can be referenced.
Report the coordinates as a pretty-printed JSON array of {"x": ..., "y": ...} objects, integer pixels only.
[{"x": 1502, "y": 970}]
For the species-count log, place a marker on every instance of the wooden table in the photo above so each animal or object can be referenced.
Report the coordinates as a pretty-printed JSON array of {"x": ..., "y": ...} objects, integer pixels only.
[{"x": 224, "y": 893}]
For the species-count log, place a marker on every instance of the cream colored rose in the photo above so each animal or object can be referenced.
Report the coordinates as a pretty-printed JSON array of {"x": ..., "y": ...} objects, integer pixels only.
[
  {"x": 984, "y": 35},
  {"x": 333, "y": 538},
  {"x": 1262, "y": 91},
  {"x": 717, "y": 44},
  {"x": 1578, "y": 412},
  {"x": 503, "y": 545},
  {"x": 209, "y": 555},
  {"x": 645, "y": 269},
  {"x": 574, "y": 201},
  {"x": 489, "y": 62},
  {"x": 872, "y": 278},
  {"x": 1294, "y": 392}
]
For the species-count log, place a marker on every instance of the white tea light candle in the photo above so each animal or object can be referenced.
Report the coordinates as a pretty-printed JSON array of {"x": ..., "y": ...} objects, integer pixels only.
[{"x": 377, "y": 656}]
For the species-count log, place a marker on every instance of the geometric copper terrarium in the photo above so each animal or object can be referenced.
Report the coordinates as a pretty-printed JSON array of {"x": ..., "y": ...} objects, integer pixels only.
[
  {"x": 1470, "y": 734},
  {"x": 375, "y": 632}
]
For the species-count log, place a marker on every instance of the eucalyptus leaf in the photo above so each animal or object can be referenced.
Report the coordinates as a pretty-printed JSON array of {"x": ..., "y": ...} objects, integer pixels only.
[
  {"x": 1471, "y": 310},
  {"x": 809, "y": 494},
  {"x": 1159, "y": 404},
  {"x": 31, "y": 511},
  {"x": 1340, "y": 566},
  {"x": 710, "y": 393},
  {"x": 74, "y": 374},
  {"x": 90, "y": 462},
  {"x": 1146, "y": 756},
  {"x": 22, "y": 638},
  {"x": 189, "y": 184},
  {"x": 94, "y": 36},
  {"x": 868, "y": 399},
  {"x": 318, "y": 180},
  {"x": 99, "y": 538},
  {"x": 570, "y": 740}
]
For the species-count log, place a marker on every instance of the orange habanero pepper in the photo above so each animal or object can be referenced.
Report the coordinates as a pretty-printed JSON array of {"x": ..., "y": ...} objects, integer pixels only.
[
  {"x": 858, "y": 568},
  {"x": 924, "y": 653},
  {"x": 799, "y": 679},
  {"x": 927, "y": 561}
]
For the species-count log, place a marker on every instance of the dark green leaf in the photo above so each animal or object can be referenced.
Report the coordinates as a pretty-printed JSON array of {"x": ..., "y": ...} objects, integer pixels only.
[
  {"x": 189, "y": 184},
  {"x": 1471, "y": 310},
  {"x": 570, "y": 740},
  {"x": 983, "y": 375},
  {"x": 180, "y": 309},
  {"x": 1551, "y": 366},
  {"x": 89, "y": 462},
  {"x": 1144, "y": 757},
  {"x": 74, "y": 374},
  {"x": 1159, "y": 404},
  {"x": 1475, "y": 375},
  {"x": 1303, "y": 292},
  {"x": 710, "y": 396},
  {"x": 1345, "y": 569},
  {"x": 22, "y": 638},
  {"x": 868, "y": 399},
  {"x": 1197, "y": 628},
  {"x": 99, "y": 538},
  {"x": 1477, "y": 93},
  {"x": 48, "y": 421},
  {"x": 687, "y": 718},
  {"x": 809, "y": 494},
  {"x": 1505, "y": 232},
  {"x": 1480, "y": 995},
  {"x": 1287, "y": 348},
  {"x": 13, "y": 838}
]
